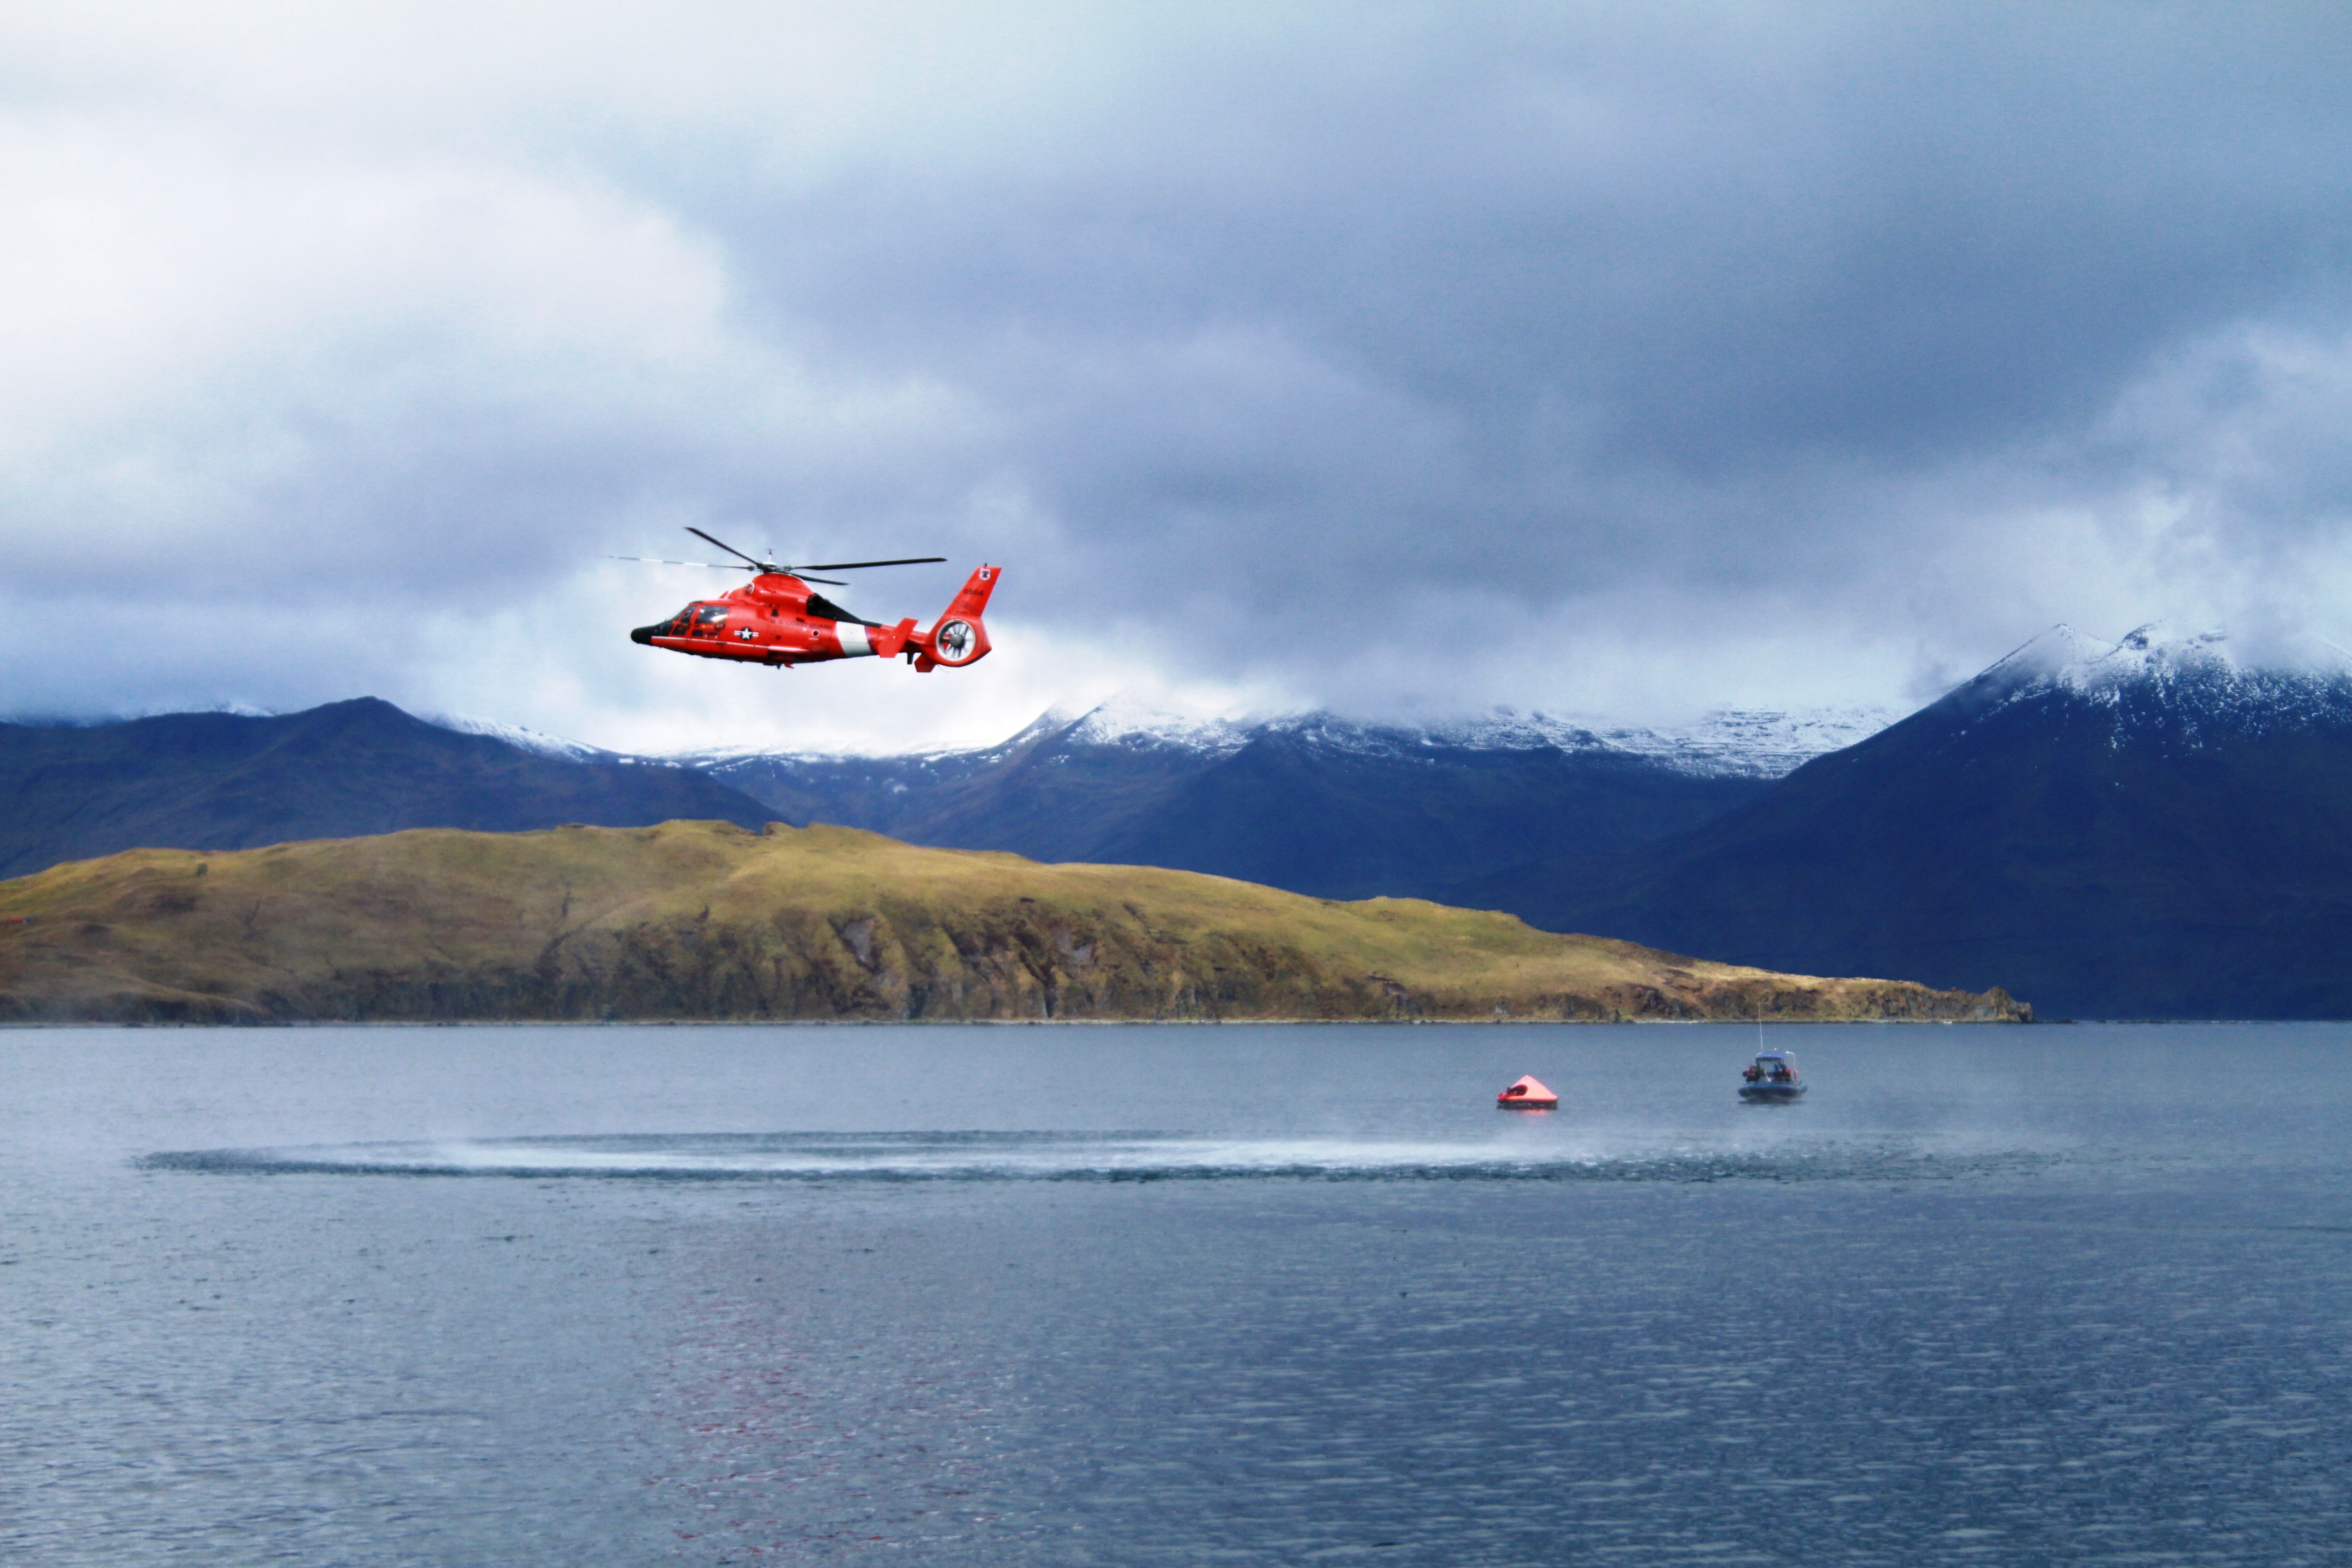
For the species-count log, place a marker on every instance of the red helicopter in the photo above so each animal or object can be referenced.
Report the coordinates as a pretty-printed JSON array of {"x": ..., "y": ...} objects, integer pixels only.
[{"x": 777, "y": 618}]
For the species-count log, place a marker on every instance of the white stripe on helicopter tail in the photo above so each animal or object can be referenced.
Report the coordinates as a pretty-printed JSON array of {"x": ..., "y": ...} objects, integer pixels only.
[{"x": 854, "y": 643}]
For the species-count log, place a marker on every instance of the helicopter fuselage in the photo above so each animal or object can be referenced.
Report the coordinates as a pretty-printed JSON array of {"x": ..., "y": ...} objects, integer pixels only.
[{"x": 777, "y": 619}]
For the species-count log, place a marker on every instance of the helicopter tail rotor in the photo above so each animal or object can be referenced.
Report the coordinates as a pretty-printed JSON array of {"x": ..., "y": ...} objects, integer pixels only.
[{"x": 959, "y": 636}]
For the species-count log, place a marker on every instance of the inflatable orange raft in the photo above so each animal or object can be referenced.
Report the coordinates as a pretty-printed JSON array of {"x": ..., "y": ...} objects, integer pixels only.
[{"x": 1527, "y": 1095}]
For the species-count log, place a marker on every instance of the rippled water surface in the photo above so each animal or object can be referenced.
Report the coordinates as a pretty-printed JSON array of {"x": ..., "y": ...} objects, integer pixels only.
[{"x": 1173, "y": 1295}]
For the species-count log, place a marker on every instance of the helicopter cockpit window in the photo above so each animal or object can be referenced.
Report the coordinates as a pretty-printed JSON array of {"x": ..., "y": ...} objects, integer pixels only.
[
  {"x": 819, "y": 605},
  {"x": 709, "y": 617}
]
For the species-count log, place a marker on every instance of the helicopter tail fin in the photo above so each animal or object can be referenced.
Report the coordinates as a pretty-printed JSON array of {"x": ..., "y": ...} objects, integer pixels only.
[
  {"x": 973, "y": 597},
  {"x": 959, "y": 637}
]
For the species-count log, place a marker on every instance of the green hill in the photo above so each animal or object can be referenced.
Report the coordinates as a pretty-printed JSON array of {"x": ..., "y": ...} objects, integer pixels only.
[{"x": 708, "y": 921}]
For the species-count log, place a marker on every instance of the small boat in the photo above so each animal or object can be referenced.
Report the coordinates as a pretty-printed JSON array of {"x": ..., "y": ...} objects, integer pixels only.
[
  {"x": 1527, "y": 1095},
  {"x": 1771, "y": 1079}
]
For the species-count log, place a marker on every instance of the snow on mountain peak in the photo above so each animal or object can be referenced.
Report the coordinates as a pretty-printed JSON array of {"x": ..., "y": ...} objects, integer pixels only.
[
  {"x": 2157, "y": 651},
  {"x": 1731, "y": 742},
  {"x": 1126, "y": 721},
  {"x": 2156, "y": 670},
  {"x": 1755, "y": 742},
  {"x": 2064, "y": 657},
  {"x": 520, "y": 738}
]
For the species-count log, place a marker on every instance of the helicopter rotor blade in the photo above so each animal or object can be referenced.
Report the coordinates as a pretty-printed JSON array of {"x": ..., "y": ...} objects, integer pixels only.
[
  {"x": 652, "y": 561},
  {"x": 727, "y": 547},
  {"x": 854, "y": 565},
  {"x": 729, "y": 566},
  {"x": 765, "y": 566}
]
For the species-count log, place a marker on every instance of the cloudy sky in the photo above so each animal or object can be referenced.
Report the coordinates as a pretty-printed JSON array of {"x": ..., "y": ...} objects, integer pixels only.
[{"x": 1620, "y": 359}]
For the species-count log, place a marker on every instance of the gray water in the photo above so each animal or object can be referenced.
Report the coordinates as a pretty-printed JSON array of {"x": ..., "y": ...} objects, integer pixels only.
[{"x": 1145, "y": 1296}]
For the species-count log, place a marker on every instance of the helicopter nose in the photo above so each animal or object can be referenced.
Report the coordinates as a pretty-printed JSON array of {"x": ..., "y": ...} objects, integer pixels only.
[{"x": 643, "y": 634}]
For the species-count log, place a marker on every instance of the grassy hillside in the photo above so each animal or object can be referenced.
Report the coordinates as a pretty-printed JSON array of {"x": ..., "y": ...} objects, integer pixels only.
[{"x": 702, "y": 920}]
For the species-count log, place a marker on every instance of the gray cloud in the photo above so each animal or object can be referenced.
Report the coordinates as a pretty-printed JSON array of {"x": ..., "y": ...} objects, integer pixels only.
[{"x": 1600, "y": 356}]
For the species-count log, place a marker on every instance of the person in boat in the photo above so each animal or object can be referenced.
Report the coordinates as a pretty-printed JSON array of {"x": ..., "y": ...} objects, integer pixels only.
[{"x": 1755, "y": 1072}]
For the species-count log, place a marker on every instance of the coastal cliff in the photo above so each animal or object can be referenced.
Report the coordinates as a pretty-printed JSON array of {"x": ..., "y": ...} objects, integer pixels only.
[{"x": 708, "y": 920}]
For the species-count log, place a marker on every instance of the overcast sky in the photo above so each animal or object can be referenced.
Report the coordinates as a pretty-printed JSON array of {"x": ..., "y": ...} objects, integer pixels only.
[{"x": 1623, "y": 359}]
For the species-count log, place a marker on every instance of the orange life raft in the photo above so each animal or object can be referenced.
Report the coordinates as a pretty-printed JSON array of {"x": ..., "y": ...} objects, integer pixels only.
[{"x": 1527, "y": 1095}]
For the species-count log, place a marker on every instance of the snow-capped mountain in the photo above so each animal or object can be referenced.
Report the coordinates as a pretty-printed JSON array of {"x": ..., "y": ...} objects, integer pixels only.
[
  {"x": 532, "y": 740},
  {"x": 2157, "y": 826},
  {"x": 1758, "y": 743},
  {"x": 2155, "y": 679},
  {"x": 1126, "y": 721},
  {"x": 1730, "y": 743},
  {"x": 1314, "y": 802}
]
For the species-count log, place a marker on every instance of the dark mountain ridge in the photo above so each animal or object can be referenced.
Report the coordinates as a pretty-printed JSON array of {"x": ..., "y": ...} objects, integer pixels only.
[
  {"x": 2150, "y": 829},
  {"x": 2147, "y": 829},
  {"x": 225, "y": 780},
  {"x": 1312, "y": 804}
]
